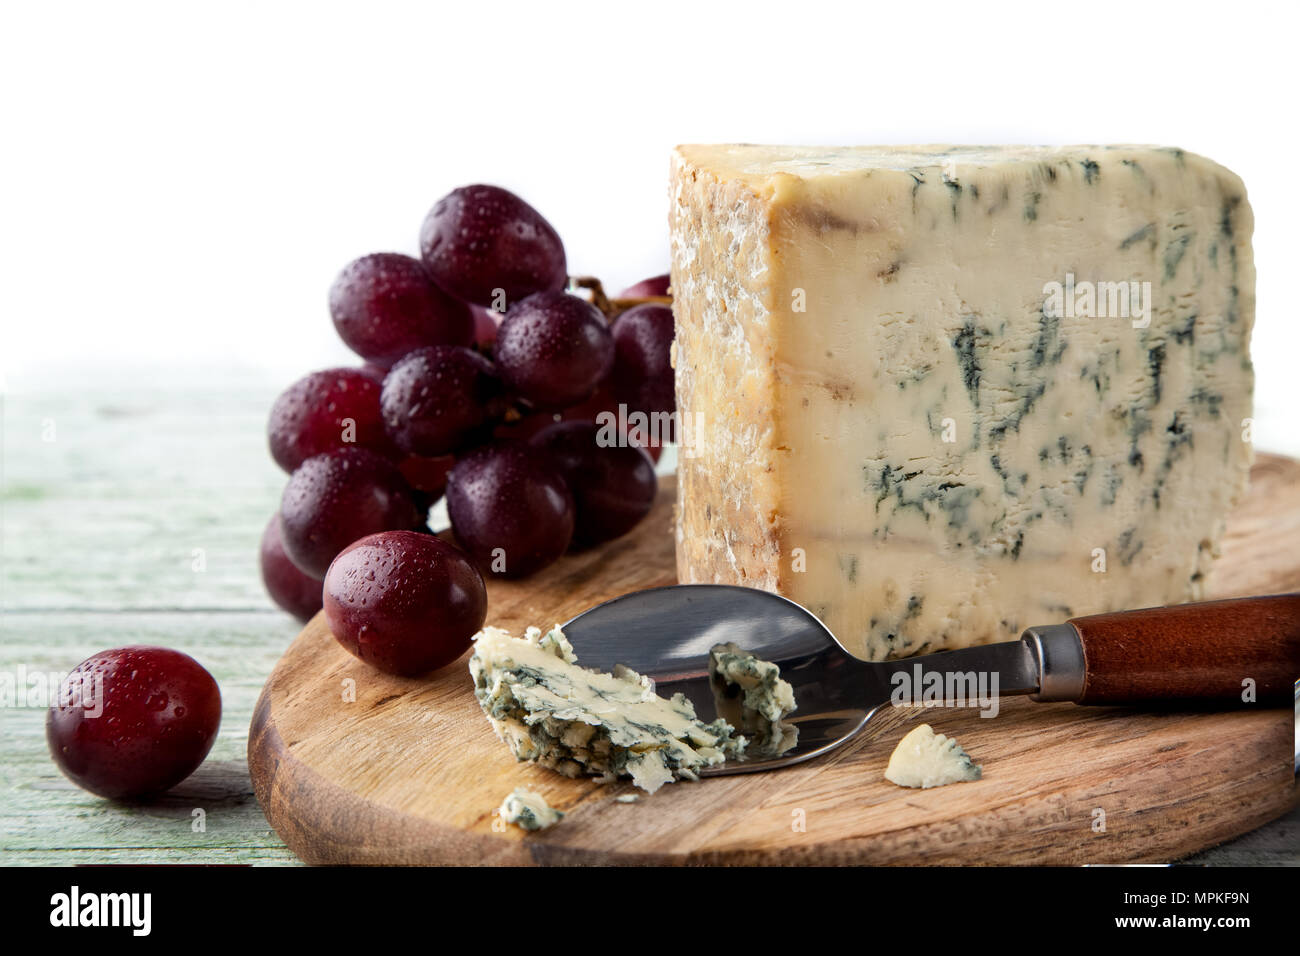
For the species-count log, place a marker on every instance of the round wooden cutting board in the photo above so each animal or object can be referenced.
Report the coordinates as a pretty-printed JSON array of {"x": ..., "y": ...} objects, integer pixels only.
[{"x": 354, "y": 766}]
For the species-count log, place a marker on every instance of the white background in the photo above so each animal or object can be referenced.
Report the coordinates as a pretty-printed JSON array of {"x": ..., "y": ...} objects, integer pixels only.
[{"x": 181, "y": 182}]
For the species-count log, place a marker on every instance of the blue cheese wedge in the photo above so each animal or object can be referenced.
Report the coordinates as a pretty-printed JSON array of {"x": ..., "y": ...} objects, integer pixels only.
[
  {"x": 751, "y": 695},
  {"x": 926, "y": 759},
  {"x": 939, "y": 394},
  {"x": 529, "y": 810},
  {"x": 577, "y": 722}
]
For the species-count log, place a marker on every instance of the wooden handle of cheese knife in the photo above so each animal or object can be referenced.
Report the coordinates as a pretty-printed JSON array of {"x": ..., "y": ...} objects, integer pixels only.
[{"x": 1193, "y": 652}]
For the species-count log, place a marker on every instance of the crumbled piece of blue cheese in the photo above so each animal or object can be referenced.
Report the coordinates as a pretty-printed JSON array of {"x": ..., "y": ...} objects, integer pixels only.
[
  {"x": 578, "y": 722},
  {"x": 926, "y": 759},
  {"x": 937, "y": 395},
  {"x": 751, "y": 696},
  {"x": 529, "y": 810}
]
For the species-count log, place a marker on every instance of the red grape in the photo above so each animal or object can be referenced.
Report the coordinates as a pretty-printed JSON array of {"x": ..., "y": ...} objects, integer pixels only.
[
  {"x": 480, "y": 239},
  {"x": 330, "y": 409},
  {"x": 427, "y": 476},
  {"x": 133, "y": 721},
  {"x": 335, "y": 498},
  {"x": 602, "y": 401},
  {"x": 385, "y": 305},
  {"x": 613, "y": 487},
  {"x": 526, "y": 427},
  {"x": 510, "y": 508},
  {"x": 655, "y": 285},
  {"x": 295, "y": 592},
  {"x": 404, "y": 602},
  {"x": 554, "y": 349},
  {"x": 643, "y": 374},
  {"x": 436, "y": 399},
  {"x": 486, "y": 322}
]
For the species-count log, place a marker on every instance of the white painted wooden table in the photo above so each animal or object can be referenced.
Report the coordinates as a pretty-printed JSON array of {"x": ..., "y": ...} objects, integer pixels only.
[{"x": 132, "y": 514}]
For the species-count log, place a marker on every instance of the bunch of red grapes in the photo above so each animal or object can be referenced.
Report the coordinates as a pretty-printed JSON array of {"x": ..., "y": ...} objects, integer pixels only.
[{"x": 484, "y": 382}]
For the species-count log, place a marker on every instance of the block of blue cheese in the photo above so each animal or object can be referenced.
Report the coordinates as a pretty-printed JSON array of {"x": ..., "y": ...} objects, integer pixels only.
[{"x": 939, "y": 394}]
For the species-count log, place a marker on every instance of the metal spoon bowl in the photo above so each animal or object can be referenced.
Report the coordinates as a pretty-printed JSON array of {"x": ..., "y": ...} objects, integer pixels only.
[{"x": 666, "y": 633}]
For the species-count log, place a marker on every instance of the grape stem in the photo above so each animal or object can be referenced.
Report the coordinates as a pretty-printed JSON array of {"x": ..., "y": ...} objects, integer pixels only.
[{"x": 613, "y": 308}]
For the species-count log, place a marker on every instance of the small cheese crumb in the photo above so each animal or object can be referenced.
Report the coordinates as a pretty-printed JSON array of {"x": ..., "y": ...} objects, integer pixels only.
[
  {"x": 926, "y": 759},
  {"x": 528, "y": 810}
]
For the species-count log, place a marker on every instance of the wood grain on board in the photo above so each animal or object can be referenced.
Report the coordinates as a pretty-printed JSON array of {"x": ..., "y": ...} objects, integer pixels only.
[{"x": 354, "y": 766}]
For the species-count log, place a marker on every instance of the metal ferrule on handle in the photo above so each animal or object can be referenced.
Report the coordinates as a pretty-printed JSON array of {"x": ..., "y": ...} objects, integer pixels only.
[{"x": 1058, "y": 652}]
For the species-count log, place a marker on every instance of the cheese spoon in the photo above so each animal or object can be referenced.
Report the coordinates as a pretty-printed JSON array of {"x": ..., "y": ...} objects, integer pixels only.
[{"x": 1242, "y": 652}]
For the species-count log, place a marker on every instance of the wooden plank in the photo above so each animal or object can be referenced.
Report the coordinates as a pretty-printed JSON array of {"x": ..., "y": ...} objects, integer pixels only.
[
  {"x": 46, "y": 818},
  {"x": 152, "y": 856},
  {"x": 1277, "y": 844},
  {"x": 140, "y": 499}
]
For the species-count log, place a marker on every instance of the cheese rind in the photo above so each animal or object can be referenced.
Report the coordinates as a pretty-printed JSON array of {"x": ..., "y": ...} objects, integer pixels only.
[
  {"x": 926, "y": 759},
  {"x": 898, "y": 423}
]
